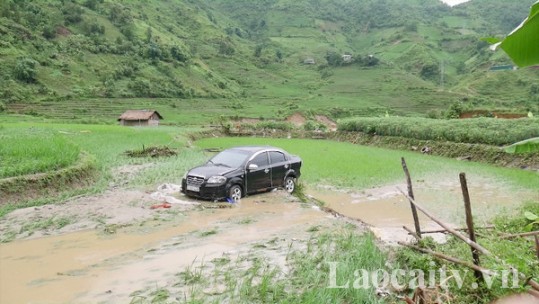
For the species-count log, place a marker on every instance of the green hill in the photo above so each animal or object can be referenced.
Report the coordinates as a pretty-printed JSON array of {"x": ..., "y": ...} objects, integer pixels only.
[{"x": 196, "y": 60}]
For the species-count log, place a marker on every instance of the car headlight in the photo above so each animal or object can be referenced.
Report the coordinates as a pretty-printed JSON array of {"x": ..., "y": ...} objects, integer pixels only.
[{"x": 216, "y": 179}]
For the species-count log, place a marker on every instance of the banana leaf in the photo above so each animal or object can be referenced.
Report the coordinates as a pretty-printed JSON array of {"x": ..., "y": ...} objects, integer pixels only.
[
  {"x": 526, "y": 146},
  {"x": 522, "y": 44}
]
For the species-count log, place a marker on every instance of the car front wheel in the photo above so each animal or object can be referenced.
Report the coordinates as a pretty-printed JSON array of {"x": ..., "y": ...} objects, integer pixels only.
[
  {"x": 235, "y": 193},
  {"x": 289, "y": 184}
]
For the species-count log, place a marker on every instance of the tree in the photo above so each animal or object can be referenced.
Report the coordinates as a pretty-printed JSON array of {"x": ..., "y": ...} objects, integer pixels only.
[
  {"x": 25, "y": 69},
  {"x": 92, "y": 27},
  {"x": 49, "y": 32},
  {"x": 149, "y": 34},
  {"x": 258, "y": 50},
  {"x": 226, "y": 47},
  {"x": 333, "y": 58},
  {"x": 430, "y": 71},
  {"x": 72, "y": 13},
  {"x": 279, "y": 55},
  {"x": 154, "y": 52},
  {"x": 177, "y": 53},
  {"x": 92, "y": 4}
]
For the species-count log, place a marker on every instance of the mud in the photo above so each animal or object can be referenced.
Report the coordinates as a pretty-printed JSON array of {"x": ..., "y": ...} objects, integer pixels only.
[
  {"x": 386, "y": 210},
  {"x": 296, "y": 119},
  {"x": 114, "y": 247},
  {"x": 332, "y": 126},
  {"x": 112, "y": 208},
  {"x": 92, "y": 266}
]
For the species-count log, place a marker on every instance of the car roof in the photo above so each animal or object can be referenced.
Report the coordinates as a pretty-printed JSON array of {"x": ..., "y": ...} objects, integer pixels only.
[{"x": 254, "y": 149}]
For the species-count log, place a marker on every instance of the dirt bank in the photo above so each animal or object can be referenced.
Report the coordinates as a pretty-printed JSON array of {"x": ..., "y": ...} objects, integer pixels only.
[{"x": 468, "y": 152}]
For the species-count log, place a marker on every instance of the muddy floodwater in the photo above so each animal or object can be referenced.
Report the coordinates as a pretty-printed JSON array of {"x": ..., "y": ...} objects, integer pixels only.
[
  {"x": 116, "y": 245},
  {"x": 92, "y": 267},
  {"x": 386, "y": 210}
]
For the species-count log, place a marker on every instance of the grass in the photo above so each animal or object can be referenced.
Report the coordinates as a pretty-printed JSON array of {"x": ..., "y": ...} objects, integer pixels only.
[
  {"x": 253, "y": 278},
  {"x": 45, "y": 224},
  {"x": 352, "y": 166},
  {"x": 208, "y": 232}
]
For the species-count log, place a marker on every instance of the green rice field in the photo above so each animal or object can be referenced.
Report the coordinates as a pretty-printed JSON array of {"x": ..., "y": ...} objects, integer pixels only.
[
  {"x": 31, "y": 152},
  {"x": 353, "y": 166}
]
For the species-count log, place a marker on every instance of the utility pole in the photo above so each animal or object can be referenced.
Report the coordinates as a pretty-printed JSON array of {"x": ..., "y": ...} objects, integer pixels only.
[{"x": 442, "y": 68}]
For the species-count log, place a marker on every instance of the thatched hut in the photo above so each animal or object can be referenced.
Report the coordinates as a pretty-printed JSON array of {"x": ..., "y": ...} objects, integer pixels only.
[{"x": 140, "y": 118}]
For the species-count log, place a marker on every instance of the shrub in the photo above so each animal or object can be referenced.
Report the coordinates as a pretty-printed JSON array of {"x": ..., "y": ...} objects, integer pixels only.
[
  {"x": 430, "y": 71},
  {"x": 141, "y": 87},
  {"x": 177, "y": 53},
  {"x": 49, "y": 32},
  {"x": 25, "y": 69},
  {"x": 92, "y": 27},
  {"x": 72, "y": 13},
  {"x": 311, "y": 125},
  {"x": 92, "y": 4},
  {"x": 275, "y": 125},
  {"x": 226, "y": 47}
]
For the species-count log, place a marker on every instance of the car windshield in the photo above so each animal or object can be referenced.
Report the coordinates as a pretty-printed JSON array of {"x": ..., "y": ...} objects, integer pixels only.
[{"x": 230, "y": 158}]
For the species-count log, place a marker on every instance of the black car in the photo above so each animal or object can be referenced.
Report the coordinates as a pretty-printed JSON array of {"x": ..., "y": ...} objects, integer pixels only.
[{"x": 236, "y": 172}]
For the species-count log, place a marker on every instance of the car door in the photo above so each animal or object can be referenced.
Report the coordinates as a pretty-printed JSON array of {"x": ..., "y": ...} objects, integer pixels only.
[
  {"x": 259, "y": 178},
  {"x": 279, "y": 167}
]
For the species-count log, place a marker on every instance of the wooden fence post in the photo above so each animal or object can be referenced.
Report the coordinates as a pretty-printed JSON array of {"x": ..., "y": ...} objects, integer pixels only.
[
  {"x": 469, "y": 222},
  {"x": 411, "y": 194}
]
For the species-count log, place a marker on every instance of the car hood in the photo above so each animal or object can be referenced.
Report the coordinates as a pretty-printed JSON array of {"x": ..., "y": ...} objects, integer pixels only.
[{"x": 210, "y": 170}]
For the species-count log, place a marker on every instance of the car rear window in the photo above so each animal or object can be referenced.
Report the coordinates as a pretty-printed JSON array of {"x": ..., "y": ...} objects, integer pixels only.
[
  {"x": 261, "y": 160},
  {"x": 276, "y": 157}
]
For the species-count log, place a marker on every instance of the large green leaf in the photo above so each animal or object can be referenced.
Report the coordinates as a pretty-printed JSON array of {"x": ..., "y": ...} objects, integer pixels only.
[
  {"x": 526, "y": 146},
  {"x": 522, "y": 45},
  {"x": 530, "y": 216}
]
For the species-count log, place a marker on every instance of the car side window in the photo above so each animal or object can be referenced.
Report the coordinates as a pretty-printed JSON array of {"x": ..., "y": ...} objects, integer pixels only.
[
  {"x": 261, "y": 160},
  {"x": 276, "y": 157}
]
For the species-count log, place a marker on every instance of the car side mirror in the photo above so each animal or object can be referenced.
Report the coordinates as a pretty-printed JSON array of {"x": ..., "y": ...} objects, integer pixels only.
[{"x": 252, "y": 167}]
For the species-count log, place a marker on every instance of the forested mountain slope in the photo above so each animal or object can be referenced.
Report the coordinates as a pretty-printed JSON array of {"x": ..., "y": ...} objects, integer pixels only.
[{"x": 250, "y": 56}]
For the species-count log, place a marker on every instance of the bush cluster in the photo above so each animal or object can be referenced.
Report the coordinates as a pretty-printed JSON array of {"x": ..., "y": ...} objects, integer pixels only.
[{"x": 490, "y": 131}]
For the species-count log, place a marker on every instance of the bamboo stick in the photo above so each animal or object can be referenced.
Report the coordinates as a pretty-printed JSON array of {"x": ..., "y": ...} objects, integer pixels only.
[
  {"x": 449, "y": 258},
  {"x": 412, "y": 233},
  {"x": 533, "y": 284},
  {"x": 525, "y": 234},
  {"x": 457, "y": 229},
  {"x": 411, "y": 194},
  {"x": 469, "y": 222},
  {"x": 481, "y": 249},
  {"x": 534, "y": 293},
  {"x": 449, "y": 229}
]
